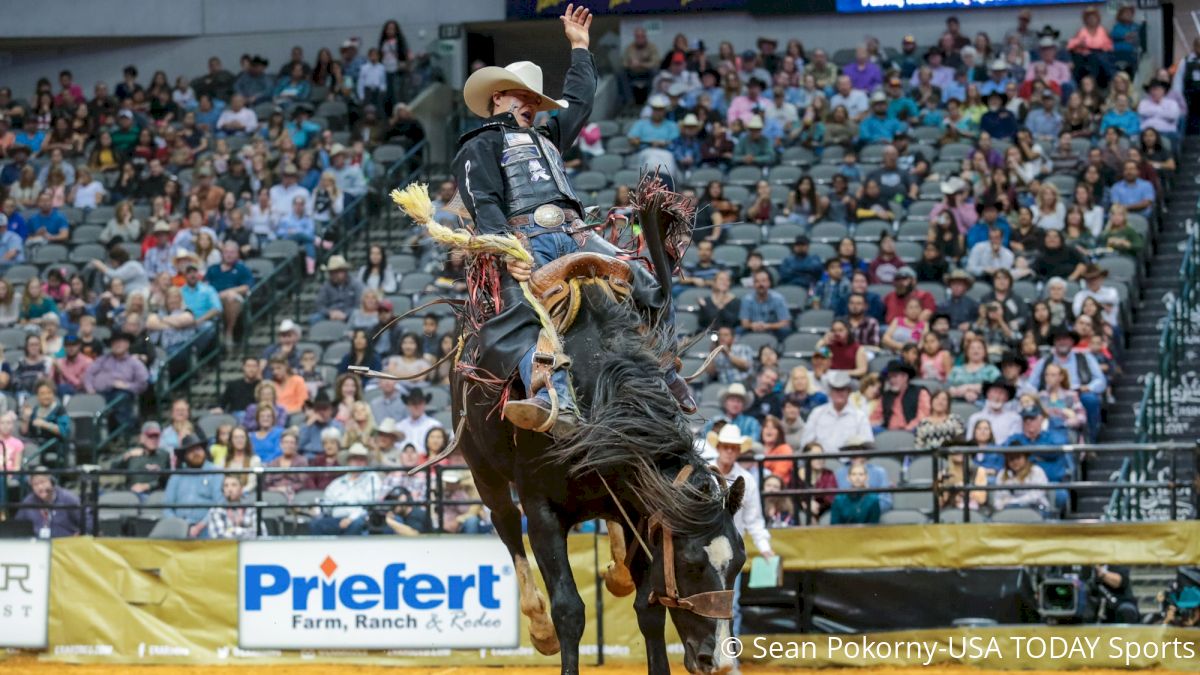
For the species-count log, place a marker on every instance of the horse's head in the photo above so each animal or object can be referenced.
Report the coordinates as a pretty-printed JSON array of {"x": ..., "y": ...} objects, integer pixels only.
[{"x": 694, "y": 571}]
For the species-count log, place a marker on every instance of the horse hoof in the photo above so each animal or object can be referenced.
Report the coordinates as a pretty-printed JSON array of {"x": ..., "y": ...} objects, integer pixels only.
[
  {"x": 547, "y": 643},
  {"x": 618, "y": 581}
]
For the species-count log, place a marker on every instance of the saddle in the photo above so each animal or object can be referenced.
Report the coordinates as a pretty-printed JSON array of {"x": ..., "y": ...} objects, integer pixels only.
[{"x": 558, "y": 288}]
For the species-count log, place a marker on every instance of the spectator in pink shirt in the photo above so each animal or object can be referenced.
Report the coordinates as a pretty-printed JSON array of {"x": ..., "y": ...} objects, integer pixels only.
[
  {"x": 1057, "y": 71},
  {"x": 750, "y": 104},
  {"x": 1091, "y": 48},
  {"x": 71, "y": 94},
  {"x": 69, "y": 371}
]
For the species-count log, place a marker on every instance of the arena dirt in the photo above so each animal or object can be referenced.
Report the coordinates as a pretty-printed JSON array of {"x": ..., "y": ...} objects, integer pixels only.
[{"x": 26, "y": 664}]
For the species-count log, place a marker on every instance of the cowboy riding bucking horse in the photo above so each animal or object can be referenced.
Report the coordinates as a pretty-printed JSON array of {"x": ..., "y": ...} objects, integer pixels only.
[{"x": 511, "y": 180}]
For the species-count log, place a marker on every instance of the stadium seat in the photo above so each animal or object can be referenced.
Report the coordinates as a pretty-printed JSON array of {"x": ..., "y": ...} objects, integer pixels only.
[
  {"x": 784, "y": 233},
  {"x": 902, "y": 517},
  {"x": 744, "y": 175},
  {"x": 946, "y": 167},
  {"x": 916, "y": 501},
  {"x": 100, "y": 215},
  {"x": 334, "y": 353},
  {"x": 797, "y": 156},
  {"x": 689, "y": 300},
  {"x": 920, "y": 471},
  {"x": 756, "y": 341},
  {"x": 980, "y": 289},
  {"x": 324, "y": 332},
  {"x": 210, "y": 423},
  {"x": 955, "y": 152},
  {"x": 1017, "y": 515},
  {"x": 823, "y": 173},
  {"x": 785, "y": 175},
  {"x": 964, "y": 410},
  {"x": 699, "y": 178},
  {"x": 280, "y": 249},
  {"x": 919, "y": 211},
  {"x": 82, "y": 254},
  {"x": 910, "y": 251},
  {"x": 336, "y": 112},
  {"x": 730, "y": 256},
  {"x": 832, "y": 154},
  {"x": 828, "y": 232},
  {"x": 169, "y": 528},
  {"x": 618, "y": 145},
  {"x": 738, "y": 194},
  {"x": 815, "y": 321},
  {"x": 773, "y": 254},
  {"x": 913, "y": 230},
  {"x": 1119, "y": 267},
  {"x": 870, "y": 230},
  {"x": 606, "y": 164},
  {"x": 1063, "y": 183},
  {"x": 49, "y": 254},
  {"x": 415, "y": 282},
  {"x": 608, "y": 128},
  {"x": 934, "y": 288},
  {"x": 930, "y": 150},
  {"x": 795, "y": 296},
  {"x": 926, "y": 134},
  {"x": 260, "y": 267},
  {"x": 867, "y": 250},
  {"x": 13, "y": 338},
  {"x": 743, "y": 235},
  {"x": 387, "y": 154},
  {"x": 687, "y": 323},
  {"x": 590, "y": 181},
  {"x": 800, "y": 345},
  {"x": 822, "y": 250},
  {"x": 894, "y": 440},
  {"x": 890, "y": 465},
  {"x": 871, "y": 154},
  {"x": 630, "y": 177},
  {"x": 86, "y": 234}
]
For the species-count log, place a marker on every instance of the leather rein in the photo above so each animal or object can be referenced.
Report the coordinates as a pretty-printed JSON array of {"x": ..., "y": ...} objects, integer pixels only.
[{"x": 711, "y": 604}]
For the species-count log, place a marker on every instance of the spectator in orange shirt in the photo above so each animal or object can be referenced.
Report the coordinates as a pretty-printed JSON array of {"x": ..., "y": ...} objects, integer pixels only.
[{"x": 290, "y": 388}]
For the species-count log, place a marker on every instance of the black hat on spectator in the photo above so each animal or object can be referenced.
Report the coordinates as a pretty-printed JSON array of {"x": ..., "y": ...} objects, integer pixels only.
[
  {"x": 756, "y": 82},
  {"x": 189, "y": 442},
  {"x": 995, "y": 93},
  {"x": 119, "y": 335},
  {"x": 1049, "y": 31},
  {"x": 940, "y": 315},
  {"x": 934, "y": 51},
  {"x": 999, "y": 382},
  {"x": 258, "y": 60},
  {"x": 322, "y": 401},
  {"x": 1061, "y": 331},
  {"x": 749, "y": 54},
  {"x": 1031, "y": 412},
  {"x": 19, "y": 148},
  {"x": 416, "y": 394},
  {"x": 302, "y": 107},
  {"x": 1166, "y": 86},
  {"x": 900, "y": 366},
  {"x": 1015, "y": 359},
  {"x": 985, "y": 205},
  {"x": 801, "y": 240}
]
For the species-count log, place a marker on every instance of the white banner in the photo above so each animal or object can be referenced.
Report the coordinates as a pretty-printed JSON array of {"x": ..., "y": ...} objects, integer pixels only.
[
  {"x": 456, "y": 592},
  {"x": 24, "y": 593}
]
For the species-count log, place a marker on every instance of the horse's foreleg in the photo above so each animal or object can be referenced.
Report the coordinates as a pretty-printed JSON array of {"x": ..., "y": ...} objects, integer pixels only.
[
  {"x": 617, "y": 577},
  {"x": 652, "y": 621},
  {"x": 507, "y": 521},
  {"x": 548, "y": 537}
]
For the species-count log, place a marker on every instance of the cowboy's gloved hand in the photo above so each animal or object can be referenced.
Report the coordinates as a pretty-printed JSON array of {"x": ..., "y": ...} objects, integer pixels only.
[{"x": 519, "y": 270}]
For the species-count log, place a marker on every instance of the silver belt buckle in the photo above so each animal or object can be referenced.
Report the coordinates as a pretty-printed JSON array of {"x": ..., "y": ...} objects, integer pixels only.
[{"x": 548, "y": 216}]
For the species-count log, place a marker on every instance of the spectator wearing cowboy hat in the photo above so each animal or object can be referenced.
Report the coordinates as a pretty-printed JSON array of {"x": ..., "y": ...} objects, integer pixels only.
[
  {"x": 961, "y": 308},
  {"x": 283, "y": 194},
  {"x": 386, "y": 434},
  {"x": 904, "y": 405},
  {"x": 287, "y": 336},
  {"x": 1035, "y": 431},
  {"x": 998, "y": 122},
  {"x": 340, "y": 293},
  {"x": 1107, "y": 296},
  {"x": 878, "y": 126},
  {"x": 752, "y": 147},
  {"x": 349, "y": 177},
  {"x": 318, "y": 419},
  {"x": 1083, "y": 371},
  {"x": 734, "y": 401},
  {"x": 748, "y": 519},
  {"x": 118, "y": 376},
  {"x": 188, "y": 487},
  {"x": 1057, "y": 72},
  {"x": 832, "y": 424},
  {"x": 1013, "y": 367},
  {"x": 998, "y": 395},
  {"x": 343, "y": 495},
  {"x": 413, "y": 428}
]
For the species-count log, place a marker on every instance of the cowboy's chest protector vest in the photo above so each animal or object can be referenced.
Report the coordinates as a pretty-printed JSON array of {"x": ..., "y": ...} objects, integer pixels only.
[{"x": 533, "y": 172}]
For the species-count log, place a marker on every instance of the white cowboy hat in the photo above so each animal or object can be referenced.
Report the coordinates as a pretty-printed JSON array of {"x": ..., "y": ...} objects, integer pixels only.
[
  {"x": 736, "y": 389},
  {"x": 953, "y": 186},
  {"x": 838, "y": 379},
  {"x": 730, "y": 435},
  {"x": 387, "y": 426},
  {"x": 358, "y": 450},
  {"x": 477, "y": 91},
  {"x": 337, "y": 262}
]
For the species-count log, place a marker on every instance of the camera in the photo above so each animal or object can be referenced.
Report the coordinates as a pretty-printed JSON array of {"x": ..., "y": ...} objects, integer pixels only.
[{"x": 1075, "y": 594}]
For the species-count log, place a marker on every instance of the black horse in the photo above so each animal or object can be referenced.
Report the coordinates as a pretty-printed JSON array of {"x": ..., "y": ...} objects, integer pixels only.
[{"x": 631, "y": 461}]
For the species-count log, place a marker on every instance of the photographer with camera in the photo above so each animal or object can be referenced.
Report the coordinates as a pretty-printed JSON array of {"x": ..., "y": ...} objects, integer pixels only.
[
  {"x": 1115, "y": 595},
  {"x": 399, "y": 517},
  {"x": 1082, "y": 594}
]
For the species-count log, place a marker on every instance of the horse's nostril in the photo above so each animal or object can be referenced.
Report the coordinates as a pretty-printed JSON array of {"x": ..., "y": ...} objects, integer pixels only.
[{"x": 705, "y": 661}]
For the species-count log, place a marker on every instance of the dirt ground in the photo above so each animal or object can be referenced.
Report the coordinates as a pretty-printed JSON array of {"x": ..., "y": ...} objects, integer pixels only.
[{"x": 26, "y": 664}]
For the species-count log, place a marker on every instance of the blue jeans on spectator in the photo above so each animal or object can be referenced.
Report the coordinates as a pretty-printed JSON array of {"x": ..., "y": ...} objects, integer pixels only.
[
  {"x": 332, "y": 525},
  {"x": 1091, "y": 404},
  {"x": 304, "y": 240},
  {"x": 475, "y": 525},
  {"x": 737, "y": 605}
]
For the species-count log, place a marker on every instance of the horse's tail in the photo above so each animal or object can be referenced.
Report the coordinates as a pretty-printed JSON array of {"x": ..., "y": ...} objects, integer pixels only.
[{"x": 635, "y": 437}]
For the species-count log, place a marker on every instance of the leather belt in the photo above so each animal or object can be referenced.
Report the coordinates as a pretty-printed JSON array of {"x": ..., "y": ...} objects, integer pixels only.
[{"x": 548, "y": 216}]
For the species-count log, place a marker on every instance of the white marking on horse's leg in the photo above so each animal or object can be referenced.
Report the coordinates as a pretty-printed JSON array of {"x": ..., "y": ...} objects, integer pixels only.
[
  {"x": 720, "y": 553},
  {"x": 533, "y": 605}
]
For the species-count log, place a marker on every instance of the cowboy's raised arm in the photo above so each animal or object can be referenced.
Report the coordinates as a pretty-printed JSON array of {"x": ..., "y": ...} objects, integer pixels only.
[{"x": 579, "y": 86}]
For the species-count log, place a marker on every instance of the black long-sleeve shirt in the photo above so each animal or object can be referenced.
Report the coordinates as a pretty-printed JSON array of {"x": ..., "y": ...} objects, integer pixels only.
[{"x": 477, "y": 165}]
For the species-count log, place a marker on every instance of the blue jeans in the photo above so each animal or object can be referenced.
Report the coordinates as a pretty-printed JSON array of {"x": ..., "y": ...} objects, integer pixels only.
[
  {"x": 559, "y": 380},
  {"x": 305, "y": 240},
  {"x": 1091, "y": 404},
  {"x": 475, "y": 525},
  {"x": 331, "y": 525}
]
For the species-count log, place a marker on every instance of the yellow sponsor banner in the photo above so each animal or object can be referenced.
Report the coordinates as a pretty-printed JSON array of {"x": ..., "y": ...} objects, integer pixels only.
[
  {"x": 145, "y": 601},
  {"x": 987, "y": 545}
]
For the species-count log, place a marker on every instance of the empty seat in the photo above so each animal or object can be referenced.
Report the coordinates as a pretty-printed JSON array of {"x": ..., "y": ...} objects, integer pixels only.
[
  {"x": 743, "y": 235},
  {"x": 590, "y": 181},
  {"x": 618, "y": 145},
  {"x": 389, "y": 153},
  {"x": 894, "y": 440},
  {"x": 630, "y": 177},
  {"x": 785, "y": 175},
  {"x": 920, "y": 470},
  {"x": 902, "y": 517},
  {"x": 773, "y": 254},
  {"x": 732, "y": 256},
  {"x": 744, "y": 175},
  {"x": 211, "y": 422},
  {"x": 815, "y": 321},
  {"x": 800, "y": 344},
  {"x": 785, "y": 233},
  {"x": 49, "y": 254},
  {"x": 86, "y": 234},
  {"x": 280, "y": 249},
  {"x": 169, "y": 528},
  {"x": 913, "y": 230},
  {"x": 828, "y": 232},
  {"x": 606, "y": 164},
  {"x": 798, "y": 157},
  {"x": 83, "y": 254},
  {"x": 328, "y": 331},
  {"x": 688, "y": 300},
  {"x": 756, "y": 341},
  {"x": 870, "y": 230},
  {"x": 415, "y": 282},
  {"x": 334, "y": 353},
  {"x": 1017, "y": 515}
]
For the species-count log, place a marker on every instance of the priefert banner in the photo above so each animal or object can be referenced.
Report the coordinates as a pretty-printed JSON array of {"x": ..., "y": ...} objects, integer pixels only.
[{"x": 377, "y": 593}]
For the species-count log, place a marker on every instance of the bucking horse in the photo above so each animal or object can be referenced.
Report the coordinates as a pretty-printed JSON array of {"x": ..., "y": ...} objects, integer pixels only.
[{"x": 631, "y": 461}]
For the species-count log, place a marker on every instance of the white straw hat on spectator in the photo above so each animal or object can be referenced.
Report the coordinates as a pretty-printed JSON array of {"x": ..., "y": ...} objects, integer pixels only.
[
  {"x": 337, "y": 149},
  {"x": 659, "y": 101},
  {"x": 730, "y": 435},
  {"x": 358, "y": 450},
  {"x": 838, "y": 379},
  {"x": 337, "y": 262},
  {"x": 736, "y": 389},
  {"x": 953, "y": 186},
  {"x": 1047, "y": 42},
  {"x": 331, "y": 434},
  {"x": 690, "y": 120},
  {"x": 387, "y": 426},
  {"x": 288, "y": 326},
  {"x": 526, "y": 75},
  {"x": 755, "y": 122},
  {"x": 999, "y": 64}
]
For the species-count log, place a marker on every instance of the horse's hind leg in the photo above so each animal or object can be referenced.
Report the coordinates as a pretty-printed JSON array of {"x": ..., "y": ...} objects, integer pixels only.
[
  {"x": 548, "y": 536},
  {"x": 507, "y": 521},
  {"x": 617, "y": 577}
]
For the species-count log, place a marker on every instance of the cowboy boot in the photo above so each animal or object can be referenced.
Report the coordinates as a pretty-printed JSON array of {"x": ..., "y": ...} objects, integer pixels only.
[
  {"x": 681, "y": 391},
  {"x": 534, "y": 413}
]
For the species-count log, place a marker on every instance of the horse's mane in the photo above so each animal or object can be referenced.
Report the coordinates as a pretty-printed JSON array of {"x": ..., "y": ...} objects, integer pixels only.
[{"x": 635, "y": 434}]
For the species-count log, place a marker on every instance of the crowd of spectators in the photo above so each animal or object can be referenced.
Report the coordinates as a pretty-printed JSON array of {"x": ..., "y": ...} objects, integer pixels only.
[
  {"x": 965, "y": 222},
  {"x": 952, "y": 217}
]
